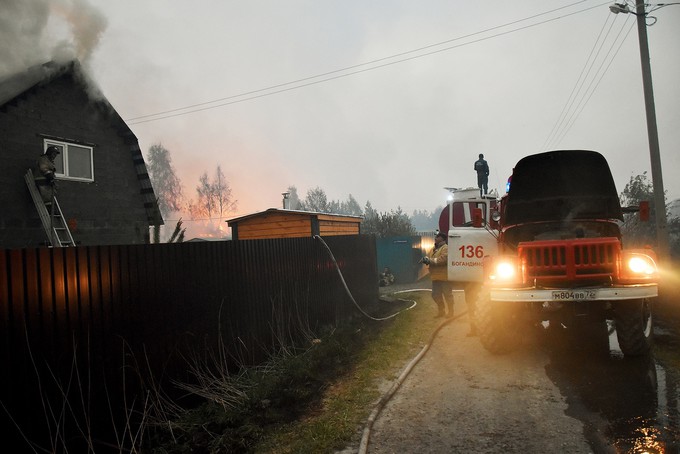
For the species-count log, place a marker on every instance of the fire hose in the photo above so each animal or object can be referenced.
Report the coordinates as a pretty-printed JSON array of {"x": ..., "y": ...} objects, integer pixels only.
[
  {"x": 402, "y": 377},
  {"x": 349, "y": 293}
]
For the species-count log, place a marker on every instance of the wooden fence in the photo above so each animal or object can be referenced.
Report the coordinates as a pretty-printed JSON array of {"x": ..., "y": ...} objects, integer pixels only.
[{"x": 110, "y": 306}]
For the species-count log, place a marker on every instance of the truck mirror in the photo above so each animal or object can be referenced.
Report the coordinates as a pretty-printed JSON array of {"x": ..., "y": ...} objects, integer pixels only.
[
  {"x": 477, "y": 218},
  {"x": 644, "y": 210}
]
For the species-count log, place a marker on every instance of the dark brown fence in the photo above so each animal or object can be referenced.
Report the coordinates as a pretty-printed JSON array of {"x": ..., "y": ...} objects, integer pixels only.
[{"x": 113, "y": 306}]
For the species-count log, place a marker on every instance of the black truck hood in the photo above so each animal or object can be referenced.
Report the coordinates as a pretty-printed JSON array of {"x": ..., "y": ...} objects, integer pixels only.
[{"x": 561, "y": 185}]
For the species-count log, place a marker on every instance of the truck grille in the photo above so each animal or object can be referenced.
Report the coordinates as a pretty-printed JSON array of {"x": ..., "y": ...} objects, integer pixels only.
[{"x": 578, "y": 260}]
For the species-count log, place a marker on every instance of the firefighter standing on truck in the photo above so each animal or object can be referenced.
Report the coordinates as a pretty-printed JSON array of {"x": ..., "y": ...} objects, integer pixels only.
[
  {"x": 482, "y": 169},
  {"x": 437, "y": 261}
]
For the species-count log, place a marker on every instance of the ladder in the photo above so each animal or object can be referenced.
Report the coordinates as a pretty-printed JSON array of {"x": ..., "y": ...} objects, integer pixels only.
[{"x": 50, "y": 214}]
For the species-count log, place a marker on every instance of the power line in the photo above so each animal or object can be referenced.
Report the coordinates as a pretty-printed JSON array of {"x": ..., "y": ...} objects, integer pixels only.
[
  {"x": 351, "y": 67},
  {"x": 572, "y": 95},
  {"x": 584, "y": 101},
  {"x": 579, "y": 97},
  {"x": 308, "y": 81}
]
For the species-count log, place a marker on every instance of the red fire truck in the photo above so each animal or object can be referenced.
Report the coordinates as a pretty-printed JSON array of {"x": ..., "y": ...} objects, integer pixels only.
[{"x": 551, "y": 250}]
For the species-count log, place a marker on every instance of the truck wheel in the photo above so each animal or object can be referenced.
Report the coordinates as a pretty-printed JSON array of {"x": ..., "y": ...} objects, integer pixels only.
[
  {"x": 633, "y": 321},
  {"x": 497, "y": 325}
]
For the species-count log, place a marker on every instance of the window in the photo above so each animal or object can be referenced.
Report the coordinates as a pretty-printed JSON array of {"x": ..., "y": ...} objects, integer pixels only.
[
  {"x": 463, "y": 213},
  {"x": 74, "y": 161}
]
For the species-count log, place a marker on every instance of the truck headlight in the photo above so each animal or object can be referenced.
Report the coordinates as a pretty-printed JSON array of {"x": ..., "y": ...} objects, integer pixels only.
[
  {"x": 641, "y": 265},
  {"x": 504, "y": 270},
  {"x": 638, "y": 265}
]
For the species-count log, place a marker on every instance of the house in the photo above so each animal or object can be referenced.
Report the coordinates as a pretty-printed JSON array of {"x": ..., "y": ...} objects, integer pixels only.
[
  {"x": 282, "y": 223},
  {"x": 103, "y": 186}
]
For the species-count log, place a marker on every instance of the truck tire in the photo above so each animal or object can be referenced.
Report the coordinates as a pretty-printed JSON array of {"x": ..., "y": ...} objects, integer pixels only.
[
  {"x": 633, "y": 320},
  {"x": 497, "y": 325}
]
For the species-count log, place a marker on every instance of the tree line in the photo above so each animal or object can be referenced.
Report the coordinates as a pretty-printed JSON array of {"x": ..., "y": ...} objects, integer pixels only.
[
  {"x": 214, "y": 200},
  {"x": 382, "y": 224}
]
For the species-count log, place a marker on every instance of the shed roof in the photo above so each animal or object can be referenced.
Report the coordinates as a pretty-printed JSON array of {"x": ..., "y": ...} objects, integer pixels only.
[{"x": 294, "y": 213}]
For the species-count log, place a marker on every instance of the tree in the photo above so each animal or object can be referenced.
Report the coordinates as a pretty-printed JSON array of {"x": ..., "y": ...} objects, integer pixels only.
[
  {"x": 334, "y": 206},
  {"x": 215, "y": 197},
  {"x": 316, "y": 200},
  {"x": 396, "y": 223},
  {"x": 370, "y": 224},
  {"x": 638, "y": 233},
  {"x": 423, "y": 220},
  {"x": 205, "y": 206},
  {"x": 369, "y": 212},
  {"x": 223, "y": 196},
  {"x": 176, "y": 237},
  {"x": 351, "y": 207},
  {"x": 165, "y": 182},
  {"x": 393, "y": 223}
]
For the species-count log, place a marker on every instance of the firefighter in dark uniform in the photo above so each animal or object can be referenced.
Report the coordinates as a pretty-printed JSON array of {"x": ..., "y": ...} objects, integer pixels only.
[
  {"x": 482, "y": 169},
  {"x": 46, "y": 173}
]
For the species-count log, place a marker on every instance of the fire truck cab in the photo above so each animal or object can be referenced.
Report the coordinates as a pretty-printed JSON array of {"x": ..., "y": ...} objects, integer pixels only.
[
  {"x": 468, "y": 222},
  {"x": 560, "y": 256}
]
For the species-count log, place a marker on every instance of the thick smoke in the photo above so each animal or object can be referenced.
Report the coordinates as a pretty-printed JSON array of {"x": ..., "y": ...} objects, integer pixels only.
[{"x": 29, "y": 30}]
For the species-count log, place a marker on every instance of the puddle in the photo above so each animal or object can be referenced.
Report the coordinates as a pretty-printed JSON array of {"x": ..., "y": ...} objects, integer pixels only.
[{"x": 627, "y": 405}]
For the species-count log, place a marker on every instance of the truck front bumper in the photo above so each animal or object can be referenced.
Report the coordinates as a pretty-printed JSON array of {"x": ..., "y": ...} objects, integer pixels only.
[{"x": 615, "y": 293}]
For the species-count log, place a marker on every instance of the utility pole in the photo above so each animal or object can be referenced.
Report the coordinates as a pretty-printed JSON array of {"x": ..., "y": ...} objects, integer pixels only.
[{"x": 662, "y": 238}]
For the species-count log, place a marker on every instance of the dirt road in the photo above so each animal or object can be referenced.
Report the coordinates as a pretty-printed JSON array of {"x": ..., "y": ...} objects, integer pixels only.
[{"x": 545, "y": 397}]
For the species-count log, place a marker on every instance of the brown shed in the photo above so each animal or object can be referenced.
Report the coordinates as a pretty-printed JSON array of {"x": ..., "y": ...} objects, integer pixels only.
[{"x": 279, "y": 223}]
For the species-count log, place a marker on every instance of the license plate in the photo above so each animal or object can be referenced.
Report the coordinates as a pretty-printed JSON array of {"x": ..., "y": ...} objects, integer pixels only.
[{"x": 573, "y": 295}]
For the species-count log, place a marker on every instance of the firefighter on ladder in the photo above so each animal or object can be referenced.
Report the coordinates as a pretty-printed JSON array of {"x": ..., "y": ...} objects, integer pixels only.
[
  {"x": 46, "y": 173},
  {"x": 45, "y": 180}
]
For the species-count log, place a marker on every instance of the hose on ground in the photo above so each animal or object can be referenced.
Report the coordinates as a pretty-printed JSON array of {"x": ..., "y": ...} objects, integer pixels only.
[
  {"x": 349, "y": 293},
  {"x": 363, "y": 447},
  {"x": 402, "y": 377}
]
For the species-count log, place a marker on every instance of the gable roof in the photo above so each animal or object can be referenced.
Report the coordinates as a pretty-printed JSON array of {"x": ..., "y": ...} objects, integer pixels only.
[{"x": 16, "y": 85}]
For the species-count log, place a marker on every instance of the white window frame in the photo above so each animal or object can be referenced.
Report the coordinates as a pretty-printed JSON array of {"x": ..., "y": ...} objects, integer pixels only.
[{"x": 64, "y": 148}]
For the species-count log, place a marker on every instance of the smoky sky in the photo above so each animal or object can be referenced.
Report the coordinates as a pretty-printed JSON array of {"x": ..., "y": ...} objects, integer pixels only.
[
  {"x": 395, "y": 135},
  {"x": 27, "y": 31}
]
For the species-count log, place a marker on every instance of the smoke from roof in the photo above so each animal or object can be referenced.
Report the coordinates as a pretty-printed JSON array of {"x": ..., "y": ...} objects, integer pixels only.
[{"x": 30, "y": 29}]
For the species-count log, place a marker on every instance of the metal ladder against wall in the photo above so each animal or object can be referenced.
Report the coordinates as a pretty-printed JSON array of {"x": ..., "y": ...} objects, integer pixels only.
[{"x": 50, "y": 214}]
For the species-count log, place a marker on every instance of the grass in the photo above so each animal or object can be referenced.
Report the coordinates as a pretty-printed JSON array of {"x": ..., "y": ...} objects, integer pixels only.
[
  {"x": 315, "y": 398},
  {"x": 347, "y": 402}
]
